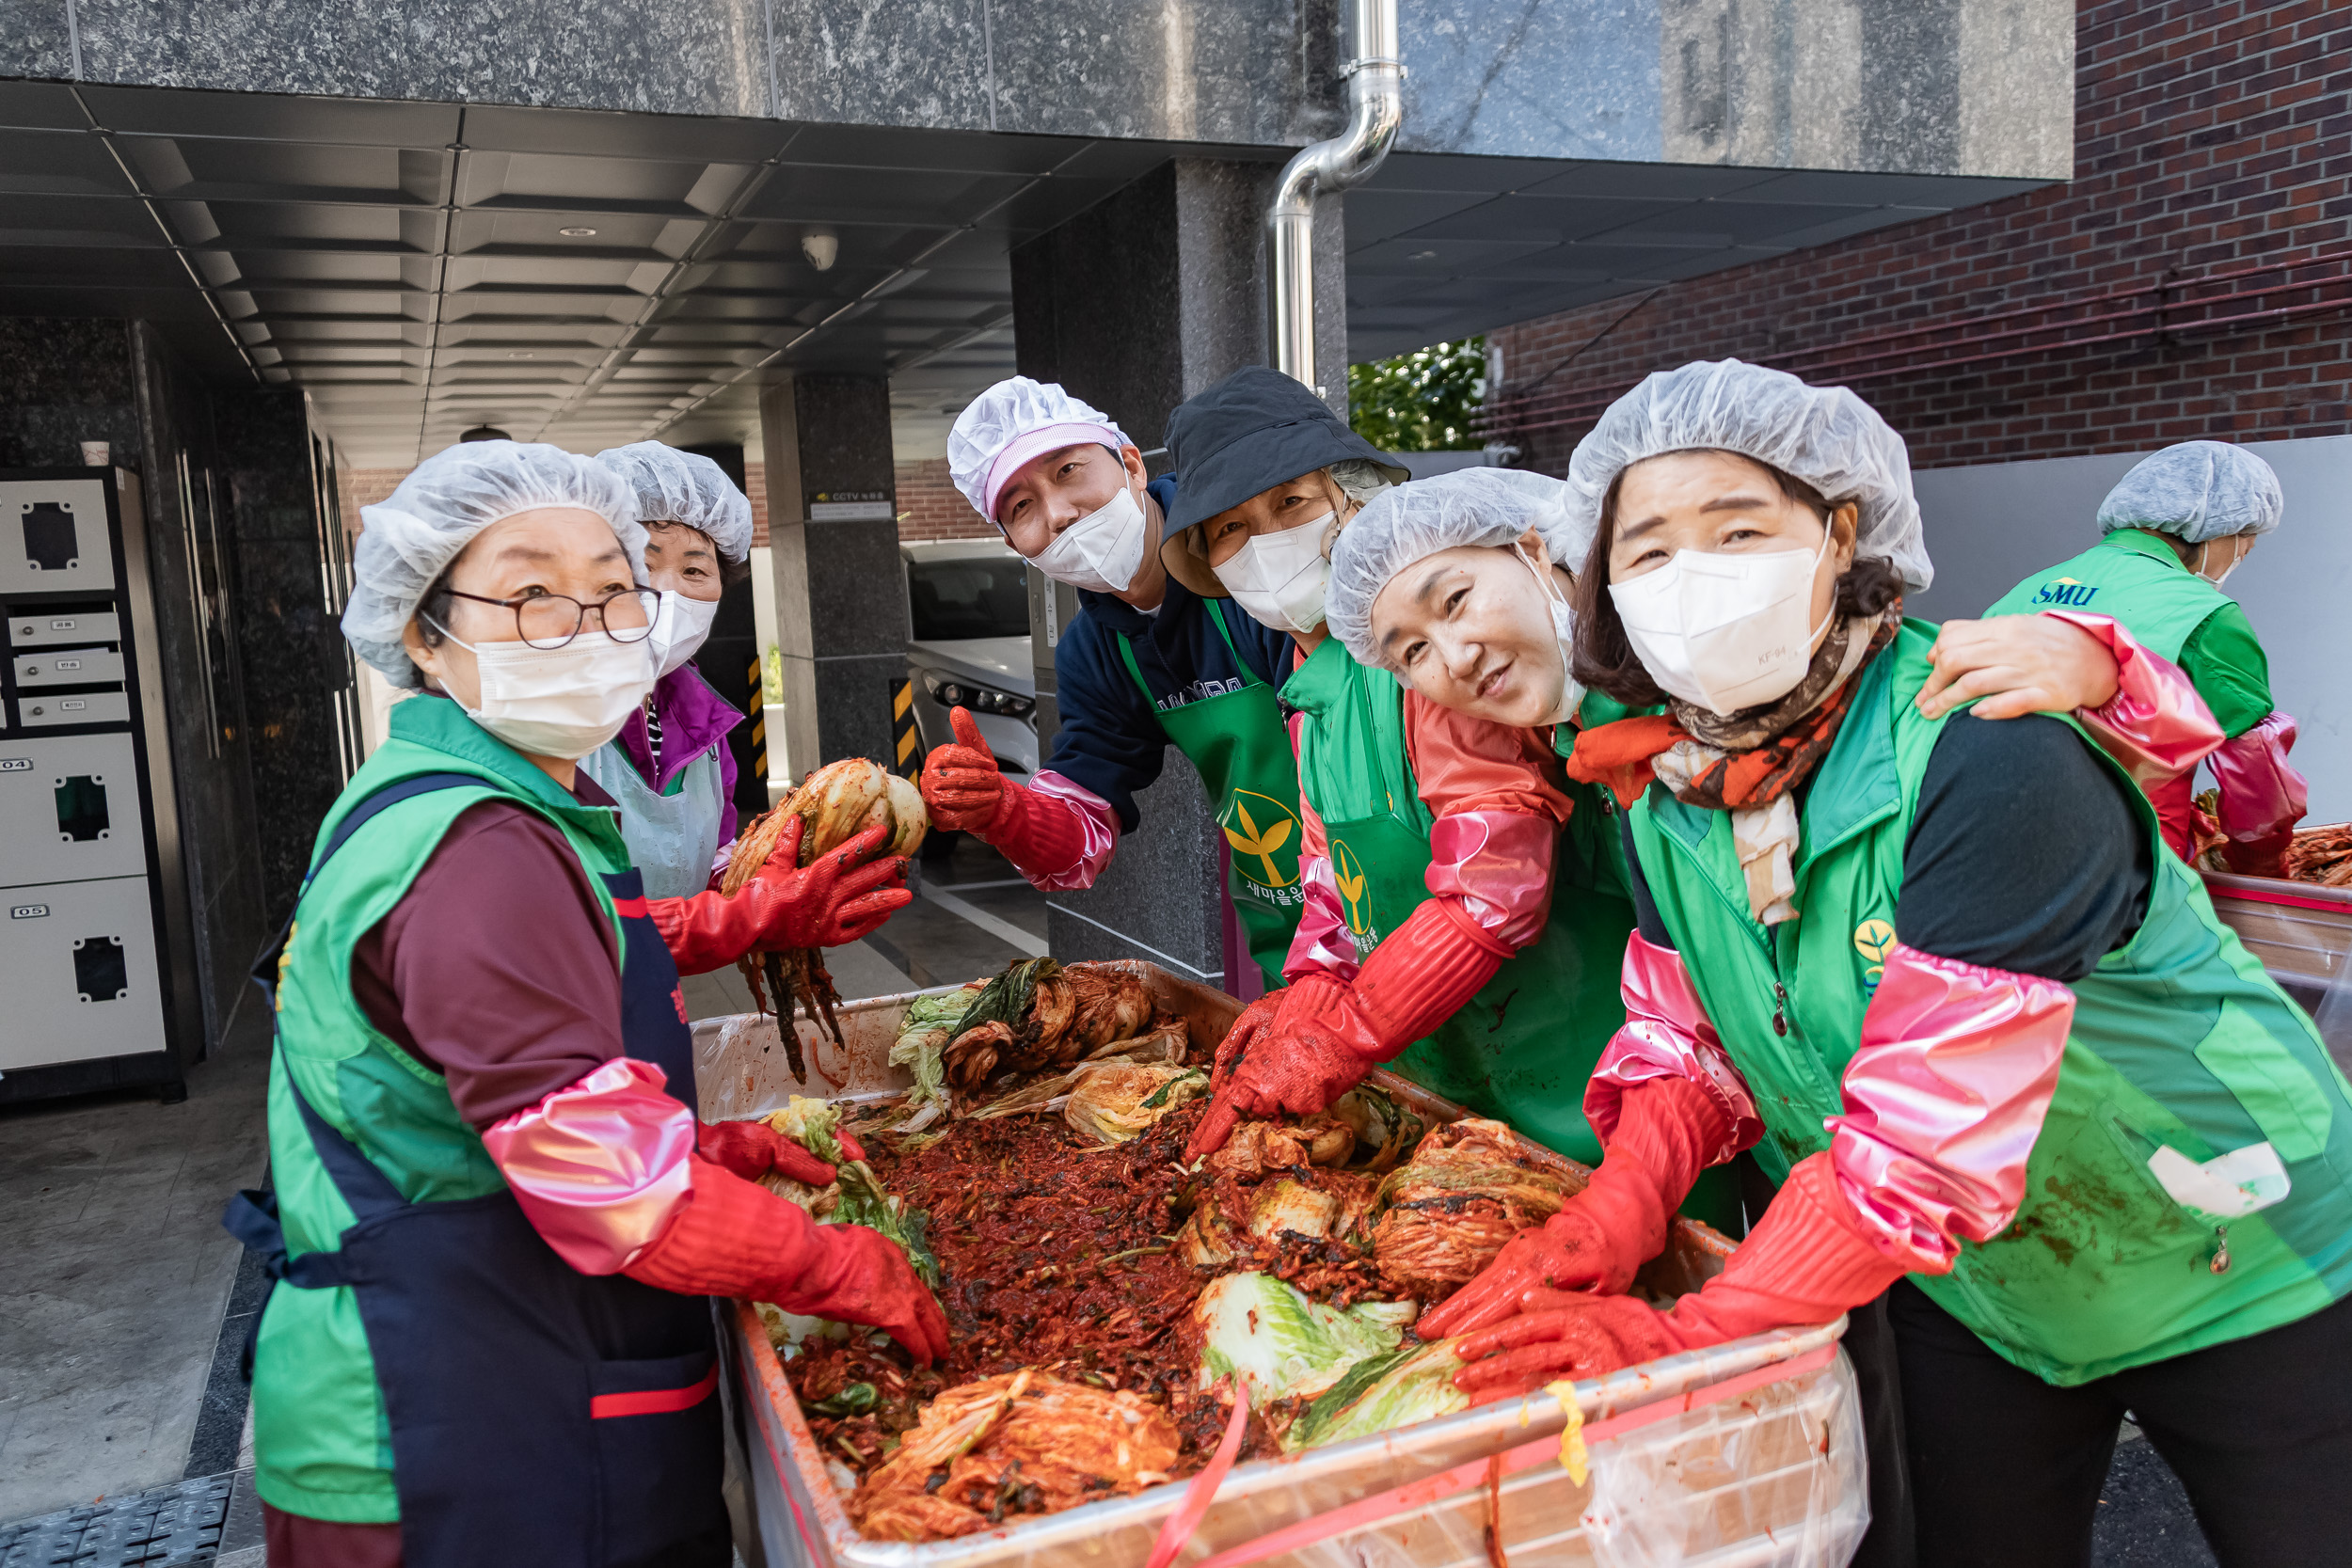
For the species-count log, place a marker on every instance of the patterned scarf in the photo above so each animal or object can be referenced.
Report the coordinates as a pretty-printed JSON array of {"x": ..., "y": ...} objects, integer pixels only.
[{"x": 1749, "y": 763}]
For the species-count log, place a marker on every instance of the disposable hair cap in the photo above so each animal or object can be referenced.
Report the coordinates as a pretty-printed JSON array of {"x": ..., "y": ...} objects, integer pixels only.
[
  {"x": 1824, "y": 436},
  {"x": 2195, "y": 491},
  {"x": 674, "y": 487},
  {"x": 1403, "y": 525},
  {"x": 1012, "y": 422},
  {"x": 410, "y": 537}
]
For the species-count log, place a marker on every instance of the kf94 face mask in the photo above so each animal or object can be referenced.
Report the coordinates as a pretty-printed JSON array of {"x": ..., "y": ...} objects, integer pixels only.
[
  {"x": 1279, "y": 577},
  {"x": 561, "y": 701},
  {"x": 1100, "y": 551},
  {"x": 1725, "y": 632}
]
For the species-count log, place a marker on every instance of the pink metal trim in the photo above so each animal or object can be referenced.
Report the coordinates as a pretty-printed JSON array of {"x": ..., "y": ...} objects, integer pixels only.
[
  {"x": 1667, "y": 1035},
  {"x": 1497, "y": 865},
  {"x": 1944, "y": 1098},
  {"x": 601, "y": 1167},
  {"x": 1097, "y": 827}
]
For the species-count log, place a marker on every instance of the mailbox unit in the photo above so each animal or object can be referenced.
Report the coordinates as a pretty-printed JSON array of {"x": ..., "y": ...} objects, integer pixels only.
[{"x": 96, "y": 961}]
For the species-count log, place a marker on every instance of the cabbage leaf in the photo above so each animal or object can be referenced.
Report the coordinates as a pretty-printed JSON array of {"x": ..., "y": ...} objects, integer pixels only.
[
  {"x": 1381, "y": 1393},
  {"x": 1280, "y": 1343}
]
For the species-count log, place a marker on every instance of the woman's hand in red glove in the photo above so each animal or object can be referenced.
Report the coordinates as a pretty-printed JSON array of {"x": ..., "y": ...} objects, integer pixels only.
[
  {"x": 1560, "y": 1333},
  {"x": 751, "y": 1149},
  {"x": 961, "y": 784}
]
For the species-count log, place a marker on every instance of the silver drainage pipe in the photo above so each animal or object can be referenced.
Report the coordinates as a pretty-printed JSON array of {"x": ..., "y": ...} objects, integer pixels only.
[{"x": 1376, "y": 93}]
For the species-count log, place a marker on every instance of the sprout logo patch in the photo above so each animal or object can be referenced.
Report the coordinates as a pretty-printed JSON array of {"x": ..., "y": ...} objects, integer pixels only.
[
  {"x": 1265, "y": 835},
  {"x": 1348, "y": 872},
  {"x": 1874, "y": 940}
]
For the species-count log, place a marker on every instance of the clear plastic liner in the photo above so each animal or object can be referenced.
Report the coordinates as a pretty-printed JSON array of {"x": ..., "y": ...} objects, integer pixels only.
[{"x": 1774, "y": 1479}]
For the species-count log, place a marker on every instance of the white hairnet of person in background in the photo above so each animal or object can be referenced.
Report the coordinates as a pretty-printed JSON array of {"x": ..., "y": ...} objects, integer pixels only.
[{"x": 2202, "y": 493}]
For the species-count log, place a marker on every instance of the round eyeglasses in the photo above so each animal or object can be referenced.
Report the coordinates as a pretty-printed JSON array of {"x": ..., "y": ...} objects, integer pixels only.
[{"x": 548, "y": 621}]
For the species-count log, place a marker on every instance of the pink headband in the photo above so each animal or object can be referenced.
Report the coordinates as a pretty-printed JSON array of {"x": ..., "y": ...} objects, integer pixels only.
[{"x": 1037, "y": 443}]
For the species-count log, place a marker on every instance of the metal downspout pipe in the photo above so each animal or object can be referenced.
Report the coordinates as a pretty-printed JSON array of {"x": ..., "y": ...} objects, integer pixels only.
[{"x": 1375, "y": 92}]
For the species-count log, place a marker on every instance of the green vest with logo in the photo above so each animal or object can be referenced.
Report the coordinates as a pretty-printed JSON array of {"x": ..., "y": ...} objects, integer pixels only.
[
  {"x": 322, "y": 1444},
  {"x": 1523, "y": 1048},
  {"x": 2132, "y": 576},
  {"x": 2179, "y": 1041}
]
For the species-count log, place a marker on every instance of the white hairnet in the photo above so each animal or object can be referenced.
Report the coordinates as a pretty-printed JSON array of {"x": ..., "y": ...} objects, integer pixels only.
[
  {"x": 674, "y": 487},
  {"x": 1824, "y": 436},
  {"x": 2195, "y": 491},
  {"x": 1012, "y": 422},
  {"x": 410, "y": 537},
  {"x": 1470, "y": 506}
]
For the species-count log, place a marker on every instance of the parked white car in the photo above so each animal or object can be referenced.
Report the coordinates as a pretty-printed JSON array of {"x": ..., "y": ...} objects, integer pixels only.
[{"x": 969, "y": 604}]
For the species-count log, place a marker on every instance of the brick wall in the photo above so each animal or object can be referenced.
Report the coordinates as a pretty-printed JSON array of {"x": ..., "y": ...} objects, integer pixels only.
[
  {"x": 359, "y": 487},
  {"x": 930, "y": 507},
  {"x": 2212, "y": 137}
]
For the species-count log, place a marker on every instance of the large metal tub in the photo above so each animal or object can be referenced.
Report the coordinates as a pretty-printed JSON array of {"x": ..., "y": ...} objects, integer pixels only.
[
  {"x": 1772, "y": 1476},
  {"x": 2301, "y": 934}
]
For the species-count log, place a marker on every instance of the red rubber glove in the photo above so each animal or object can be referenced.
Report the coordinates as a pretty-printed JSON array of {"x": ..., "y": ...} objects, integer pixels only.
[
  {"x": 1600, "y": 1236},
  {"x": 753, "y": 1148},
  {"x": 1258, "y": 1021},
  {"x": 1323, "y": 1044},
  {"x": 1807, "y": 1261},
  {"x": 961, "y": 785},
  {"x": 833, "y": 900},
  {"x": 734, "y": 1239}
]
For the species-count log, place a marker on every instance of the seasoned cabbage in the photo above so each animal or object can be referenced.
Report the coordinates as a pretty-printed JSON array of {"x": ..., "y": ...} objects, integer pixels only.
[
  {"x": 1111, "y": 1104},
  {"x": 1279, "y": 1342},
  {"x": 1380, "y": 1393}
]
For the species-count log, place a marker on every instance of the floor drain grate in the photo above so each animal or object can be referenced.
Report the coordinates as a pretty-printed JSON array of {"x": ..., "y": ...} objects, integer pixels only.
[{"x": 162, "y": 1529}]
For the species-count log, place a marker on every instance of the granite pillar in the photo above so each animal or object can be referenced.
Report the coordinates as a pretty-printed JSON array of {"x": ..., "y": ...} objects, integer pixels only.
[
  {"x": 1136, "y": 304},
  {"x": 841, "y": 590}
]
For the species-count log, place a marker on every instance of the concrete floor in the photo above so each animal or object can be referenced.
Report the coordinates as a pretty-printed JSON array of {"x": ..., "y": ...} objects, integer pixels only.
[{"x": 123, "y": 1303}]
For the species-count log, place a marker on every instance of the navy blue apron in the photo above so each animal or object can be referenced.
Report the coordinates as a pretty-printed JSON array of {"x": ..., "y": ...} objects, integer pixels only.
[{"x": 538, "y": 1415}]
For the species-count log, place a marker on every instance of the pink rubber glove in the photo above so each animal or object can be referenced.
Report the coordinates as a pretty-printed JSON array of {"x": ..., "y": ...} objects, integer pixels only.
[
  {"x": 1419, "y": 976},
  {"x": 1808, "y": 1260},
  {"x": 1665, "y": 1129},
  {"x": 2262, "y": 796}
]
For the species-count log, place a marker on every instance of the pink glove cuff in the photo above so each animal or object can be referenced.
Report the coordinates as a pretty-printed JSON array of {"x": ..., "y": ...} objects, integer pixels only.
[
  {"x": 1321, "y": 945},
  {"x": 1944, "y": 1098},
  {"x": 2262, "y": 796},
  {"x": 1667, "y": 1035},
  {"x": 1057, "y": 833},
  {"x": 600, "y": 1167},
  {"x": 1496, "y": 866},
  {"x": 2155, "y": 725}
]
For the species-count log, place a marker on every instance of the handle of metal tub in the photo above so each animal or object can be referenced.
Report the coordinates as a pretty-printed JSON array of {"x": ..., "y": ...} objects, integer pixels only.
[{"x": 1420, "y": 1493}]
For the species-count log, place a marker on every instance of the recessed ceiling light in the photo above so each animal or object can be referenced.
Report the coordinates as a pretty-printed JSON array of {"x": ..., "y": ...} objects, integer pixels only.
[
  {"x": 1416, "y": 256},
  {"x": 577, "y": 233},
  {"x": 518, "y": 354}
]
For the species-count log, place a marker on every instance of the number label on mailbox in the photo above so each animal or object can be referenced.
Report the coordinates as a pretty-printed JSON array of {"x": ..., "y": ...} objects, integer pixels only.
[
  {"x": 16, "y": 765},
  {"x": 27, "y": 912}
]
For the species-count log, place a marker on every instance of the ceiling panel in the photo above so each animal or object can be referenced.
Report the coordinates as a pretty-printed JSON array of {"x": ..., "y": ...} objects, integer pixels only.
[{"x": 603, "y": 277}]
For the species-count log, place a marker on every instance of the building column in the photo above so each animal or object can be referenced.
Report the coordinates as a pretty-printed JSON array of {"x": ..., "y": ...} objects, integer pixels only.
[
  {"x": 841, "y": 590},
  {"x": 1144, "y": 299}
]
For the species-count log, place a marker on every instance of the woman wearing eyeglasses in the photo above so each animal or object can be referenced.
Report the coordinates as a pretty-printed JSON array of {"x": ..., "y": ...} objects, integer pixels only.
[{"x": 495, "y": 1207}]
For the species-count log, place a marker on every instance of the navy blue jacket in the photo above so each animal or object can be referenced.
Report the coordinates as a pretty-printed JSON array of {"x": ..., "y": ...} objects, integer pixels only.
[{"x": 1110, "y": 740}]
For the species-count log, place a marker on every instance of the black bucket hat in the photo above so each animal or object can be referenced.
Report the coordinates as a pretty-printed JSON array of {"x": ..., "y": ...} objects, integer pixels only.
[{"x": 1252, "y": 430}]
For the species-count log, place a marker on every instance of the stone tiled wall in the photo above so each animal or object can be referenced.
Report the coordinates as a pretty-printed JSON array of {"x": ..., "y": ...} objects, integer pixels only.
[{"x": 2209, "y": 137}]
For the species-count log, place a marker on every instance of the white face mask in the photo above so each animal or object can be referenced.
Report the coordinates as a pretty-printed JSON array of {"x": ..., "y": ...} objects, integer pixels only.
[
  {"x": 678, "y": 629},
  {"x": 1279, "y": 577},
  {"x": 2206, "y": 550},
  {"x": 1725, "y": 632},
  {"x": 1101, "y": 550},
  {"x": 1562, "y": 632},
  {"x": 560, "y": 701}
]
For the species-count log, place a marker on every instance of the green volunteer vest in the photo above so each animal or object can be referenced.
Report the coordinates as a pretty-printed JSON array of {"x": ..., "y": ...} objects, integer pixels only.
[
  {"x": 1237, "y": 743},
  {"x": 2178, "y": 1041},
  {"x": 1522, "y": 1049},
  {"x": 2131, "y": 576},
  {"x": 322, "y": 1445}
]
